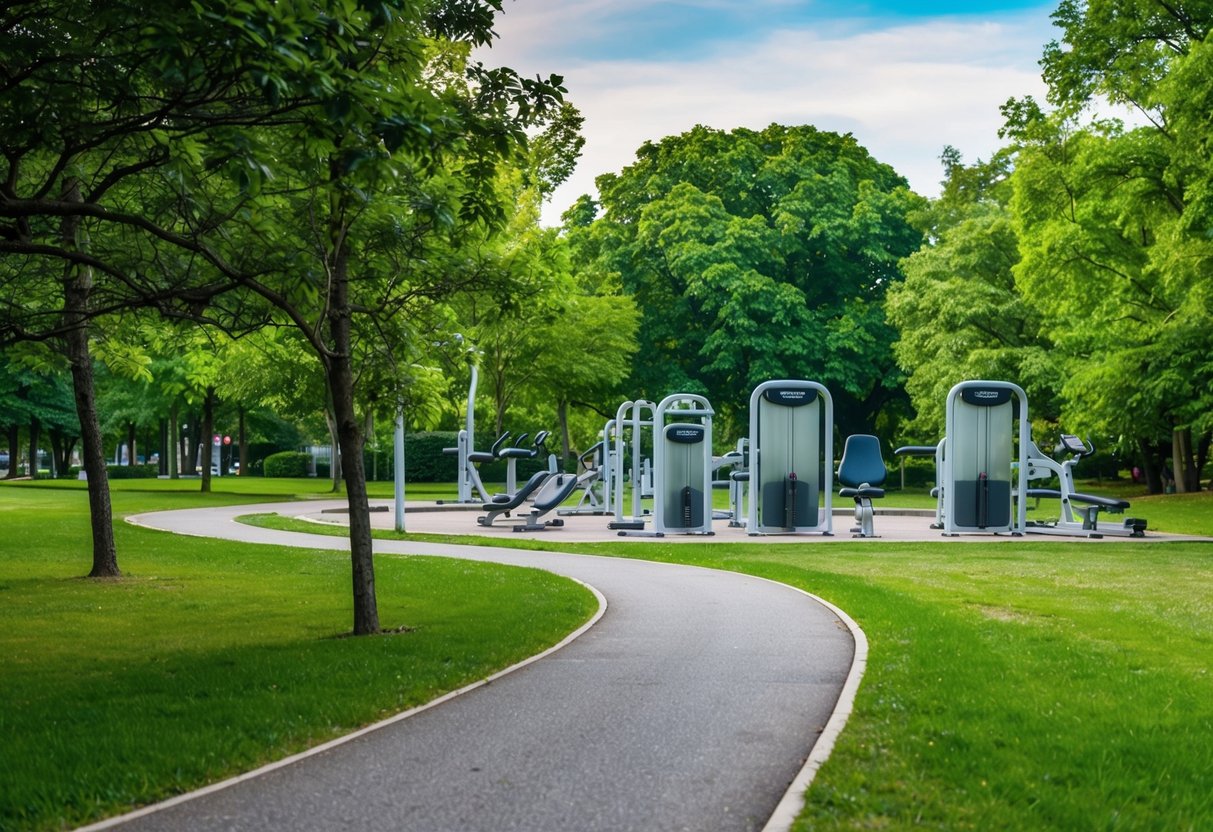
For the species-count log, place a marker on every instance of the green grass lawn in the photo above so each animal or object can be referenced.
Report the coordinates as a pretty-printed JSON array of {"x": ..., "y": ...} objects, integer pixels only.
[
  {"x": 208, "y": 658},
  {"x": 1018, "y": 685}
]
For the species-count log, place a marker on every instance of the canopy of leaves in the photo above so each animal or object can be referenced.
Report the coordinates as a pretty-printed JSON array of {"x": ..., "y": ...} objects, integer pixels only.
[{"x": 756, "y": 255}]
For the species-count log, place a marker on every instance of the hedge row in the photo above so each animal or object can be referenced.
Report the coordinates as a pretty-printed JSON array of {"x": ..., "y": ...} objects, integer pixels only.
[
  {"x": 425, "y": 461},
  {"x": 287, "y": 464}
]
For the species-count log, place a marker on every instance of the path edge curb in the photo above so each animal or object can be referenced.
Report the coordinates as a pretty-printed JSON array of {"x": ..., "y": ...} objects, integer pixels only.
[{"x": 794, "y": 799}]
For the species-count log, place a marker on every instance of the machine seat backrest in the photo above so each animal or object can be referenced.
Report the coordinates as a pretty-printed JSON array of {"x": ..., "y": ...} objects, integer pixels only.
[{"x": 861, "y": 461}]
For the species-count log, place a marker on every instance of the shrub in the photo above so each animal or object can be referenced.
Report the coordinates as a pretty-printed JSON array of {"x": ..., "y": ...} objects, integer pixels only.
[
  {"x": 423, "y": 457},
  {"x": 133, "y": 472},
  {"x": 287, "y": 464}
]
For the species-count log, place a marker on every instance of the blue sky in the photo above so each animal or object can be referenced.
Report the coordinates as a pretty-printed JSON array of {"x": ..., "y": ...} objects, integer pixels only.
[{"x": 905, "y": 78}]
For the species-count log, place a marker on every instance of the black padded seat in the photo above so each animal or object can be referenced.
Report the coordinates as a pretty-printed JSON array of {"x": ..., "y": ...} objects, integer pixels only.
[
  {"x": 495, "y": 509},
  {"x": 863, "y": 491},
  {"x": 481, "y": 457},
  {"x": 1111, "y": 504}
]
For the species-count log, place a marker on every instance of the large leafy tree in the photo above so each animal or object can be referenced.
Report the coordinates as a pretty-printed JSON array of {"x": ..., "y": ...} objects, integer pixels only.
[
  {"x": 166, "y": 106},
  {"x": 388, "y": 184},
  {"x": 959, "y": 312},
  {"x": 93, "y": 96},
  {"x": 756, "y": 255},
  {"x": 1114, "y": 223}
]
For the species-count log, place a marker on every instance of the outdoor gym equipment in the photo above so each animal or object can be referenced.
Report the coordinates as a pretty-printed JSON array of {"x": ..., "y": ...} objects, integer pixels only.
[
  {"x": 469, "y": 457},
  {"x": 503, "y": 504},
  {"x": 631, "y": 423},
  {"x": 791, "y": 459},
  {"x": 982, "y": 426},
  {"x": 1074, "y": 520},
  {"x": 936, "y": 492},
  {"x": 593, "y": 481},
  {"x": 739, "y": 481},
  {"x": 682, "y": 465},
  {"x": 520, "y": 451},
  {"x": 862, "y": 471}
]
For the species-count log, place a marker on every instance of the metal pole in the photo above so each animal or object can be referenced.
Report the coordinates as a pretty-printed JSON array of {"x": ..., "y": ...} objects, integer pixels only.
[{"x": 398, "y": 460}]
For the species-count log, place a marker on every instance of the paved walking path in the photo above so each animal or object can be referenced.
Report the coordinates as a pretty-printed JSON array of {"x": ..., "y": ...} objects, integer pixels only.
[{"x": 692, "y": 704}]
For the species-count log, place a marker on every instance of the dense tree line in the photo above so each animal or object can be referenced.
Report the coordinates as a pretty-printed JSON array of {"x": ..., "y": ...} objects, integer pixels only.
[{"x": 1077, "y": 260}]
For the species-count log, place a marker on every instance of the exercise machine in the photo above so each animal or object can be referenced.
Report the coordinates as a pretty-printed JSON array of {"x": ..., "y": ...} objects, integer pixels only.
[
  {"x": 682, "y": 465},
  {"x": 936, "y": 492},
  {"x": 862, "y": 471},
  {"x": 503, "y": 504},
  {"x": 1079, "y": 514},
  {"x": 591, "y": 479},
  {"x": 468, "y": 480},
  {"x": 518, "y": 451},
  {"x": 985, "y": 422},
  {"x": 633, "y": 420},
  {"x": 739, "y": 485},
  {"x": 791, "y": 459}
]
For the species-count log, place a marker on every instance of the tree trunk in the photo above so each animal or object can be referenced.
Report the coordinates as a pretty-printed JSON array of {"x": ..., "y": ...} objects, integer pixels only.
[
  {"x": 35, "y": 435},
  {"x": 1202, "y": 456},
  {"x": 77, "y": 295},
  {"x": 340, "y": 376},
  {"x": 61, "y": 452},
  {"x": 335, "y": 475},
  {"x": 1183, "y": 461},
  {"x": 1152, "y": 470},
  {"x": 207, "y": 429},
  {"x": 162, "y": 463},
  {"x": 14, "y": 450},
  {"x": 132, "y": 444}
]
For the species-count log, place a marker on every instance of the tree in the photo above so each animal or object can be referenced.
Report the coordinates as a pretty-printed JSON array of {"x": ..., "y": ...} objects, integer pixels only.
[
  {"x": 959, "y": 312},
  {"x": 1115, "y": 222},
  {"x": 376, "y": 106},
  {"x": 566, "y": 338},
  {"x": 381, "y": 179},
  {"x": 92, "y": 97},
  {"x": 760, "y": 255}
]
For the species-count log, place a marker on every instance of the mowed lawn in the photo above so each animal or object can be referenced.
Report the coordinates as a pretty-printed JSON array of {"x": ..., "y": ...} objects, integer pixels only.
[
  {"x": 209, "y": 658},
  {"x": 1017, "y": 685}
]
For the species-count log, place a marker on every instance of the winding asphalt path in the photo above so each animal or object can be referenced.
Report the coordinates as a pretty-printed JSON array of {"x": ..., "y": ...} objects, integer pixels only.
[{"x": 692, "y": 704}]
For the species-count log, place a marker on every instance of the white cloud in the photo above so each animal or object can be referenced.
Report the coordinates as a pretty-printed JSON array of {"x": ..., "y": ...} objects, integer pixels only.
[{"x": 904, "y": 91}]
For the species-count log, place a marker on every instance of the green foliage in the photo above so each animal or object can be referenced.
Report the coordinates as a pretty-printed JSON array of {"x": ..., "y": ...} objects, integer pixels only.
[
  {"x": 1077, "y": 261},
  {"x": 132, "y": 472},
  {"x": 424, "y": 458},
  {"x": 757, "y": 255},
  {"x": 287, "y": 464},
  {"x": 960, "y": 314}
]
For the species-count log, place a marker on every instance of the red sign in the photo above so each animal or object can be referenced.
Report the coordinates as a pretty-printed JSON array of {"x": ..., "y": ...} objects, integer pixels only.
[{"x": 227, "y": 440}]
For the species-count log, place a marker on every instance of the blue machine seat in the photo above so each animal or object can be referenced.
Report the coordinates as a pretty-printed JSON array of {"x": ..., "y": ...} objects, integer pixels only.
[{"x": 861, "y": 473}]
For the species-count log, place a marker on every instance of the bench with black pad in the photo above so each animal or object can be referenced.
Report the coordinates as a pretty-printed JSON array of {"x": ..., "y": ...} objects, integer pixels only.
[
  {"x": 1093, "y": 503},
  {"x": 505, "y": 503}
]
